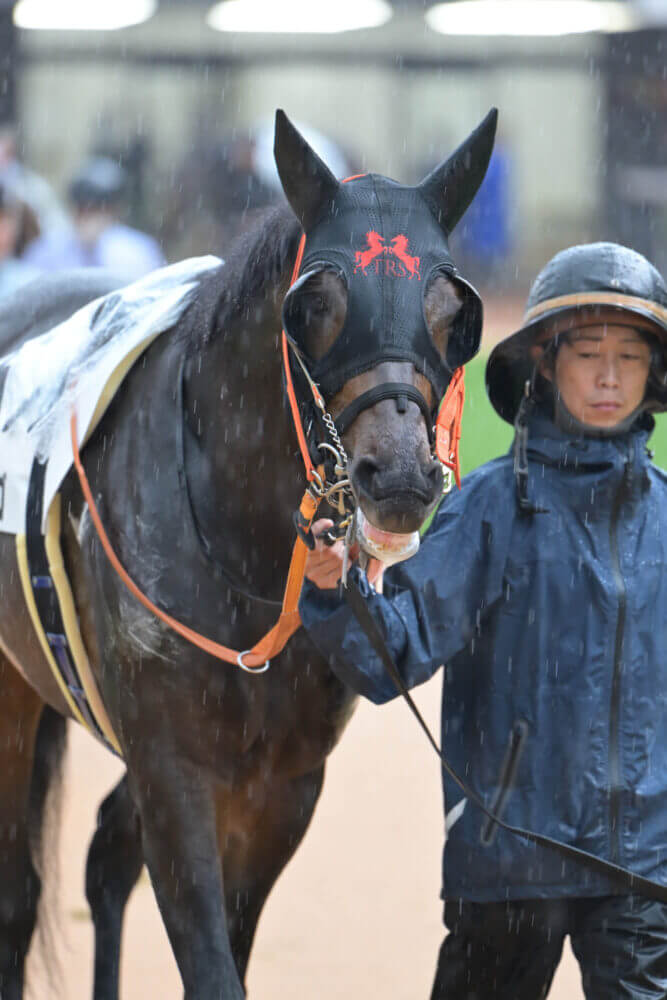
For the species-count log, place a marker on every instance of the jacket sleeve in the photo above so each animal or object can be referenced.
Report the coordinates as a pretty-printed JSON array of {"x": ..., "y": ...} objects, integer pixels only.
[{"x": 432, "y": 603}]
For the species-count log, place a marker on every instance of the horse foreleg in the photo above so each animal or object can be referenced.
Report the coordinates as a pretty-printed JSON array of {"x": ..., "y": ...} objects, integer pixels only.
[
  {"x": 115, "y": 860},
  {"x": 253, "y": 863},
  {"x": 20, "y": 711},
  {"x": 176, "y": 802}
]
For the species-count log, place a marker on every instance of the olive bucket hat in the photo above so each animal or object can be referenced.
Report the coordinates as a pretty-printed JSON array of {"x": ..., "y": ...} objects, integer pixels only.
[{"x": 582, "y": 279}]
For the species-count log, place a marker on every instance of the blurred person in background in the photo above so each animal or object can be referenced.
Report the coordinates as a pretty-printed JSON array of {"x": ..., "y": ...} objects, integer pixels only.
[
  {"x": 14, "y": 272},
  {"x": 36, "y": 194},
  {"x": 225, "y": 183},
  {"x": 97, "y": 237},
  {"x": 483, "y": 242},
  {"x": 215, "y": 196}
]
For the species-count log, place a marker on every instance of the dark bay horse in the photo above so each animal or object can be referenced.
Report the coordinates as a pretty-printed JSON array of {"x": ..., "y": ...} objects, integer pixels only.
[{"x": 195, "y": 471}]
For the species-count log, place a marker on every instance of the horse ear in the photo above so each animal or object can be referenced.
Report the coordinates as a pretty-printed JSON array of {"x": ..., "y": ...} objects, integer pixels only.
[
  {"x": 449, "y": 189},
  {"x": 307, "y": 182}
]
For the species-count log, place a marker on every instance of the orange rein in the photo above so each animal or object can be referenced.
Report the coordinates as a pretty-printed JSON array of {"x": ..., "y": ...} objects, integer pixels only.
[
  {"x": 257, "y": 659},
  {"x": 291, "y": 395}
]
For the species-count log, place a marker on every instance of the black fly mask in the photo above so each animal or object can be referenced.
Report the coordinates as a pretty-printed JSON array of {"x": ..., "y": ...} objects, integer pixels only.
[{"x": 387, "y": 242}]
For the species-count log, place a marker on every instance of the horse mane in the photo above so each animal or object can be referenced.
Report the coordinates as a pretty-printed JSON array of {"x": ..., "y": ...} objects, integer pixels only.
[{"x": 256, "y": 263}]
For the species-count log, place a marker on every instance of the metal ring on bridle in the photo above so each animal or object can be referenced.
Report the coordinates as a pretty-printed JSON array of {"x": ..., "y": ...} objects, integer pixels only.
[
  {"x": 340, "y": 463},
  {"x": 334, "y": 451},
  {"x": 317, "y": 485},
  {"x": 447, "y": 480},
  {"x": 343, "y": 485},
  {"x": 251, "y": 670}
]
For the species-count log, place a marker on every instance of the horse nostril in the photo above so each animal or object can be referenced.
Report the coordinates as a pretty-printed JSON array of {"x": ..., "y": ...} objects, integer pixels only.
[
  {"x": 435, "y": 477},
  {"x": 364, "y": 472}
]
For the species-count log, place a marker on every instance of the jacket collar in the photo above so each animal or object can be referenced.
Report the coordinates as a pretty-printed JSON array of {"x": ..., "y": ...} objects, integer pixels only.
[{"x": 592, "y": 469}]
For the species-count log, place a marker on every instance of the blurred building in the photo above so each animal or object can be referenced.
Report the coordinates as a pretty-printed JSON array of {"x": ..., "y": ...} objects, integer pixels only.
[
  {"x": 584, "y": 115},
  {"x": 636, "y": 142}
]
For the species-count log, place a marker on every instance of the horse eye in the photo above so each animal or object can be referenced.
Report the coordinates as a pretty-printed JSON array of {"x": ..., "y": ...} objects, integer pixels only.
[
  {"x": 316, "y": 313},
  {"x": 442, "y": 303},
  {"x": 315, "y": 305}
]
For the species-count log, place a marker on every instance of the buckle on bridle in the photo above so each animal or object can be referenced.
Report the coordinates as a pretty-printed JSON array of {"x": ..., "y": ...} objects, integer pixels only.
[{"x": 447, "y": 479}]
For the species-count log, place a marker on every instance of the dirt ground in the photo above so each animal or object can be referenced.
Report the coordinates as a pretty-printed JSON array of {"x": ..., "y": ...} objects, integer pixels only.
[{"x": 355, "y": 914}]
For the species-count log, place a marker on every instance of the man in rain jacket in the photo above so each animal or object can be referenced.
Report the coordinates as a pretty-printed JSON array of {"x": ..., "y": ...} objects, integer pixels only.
[{"x": 541, "y": 588}]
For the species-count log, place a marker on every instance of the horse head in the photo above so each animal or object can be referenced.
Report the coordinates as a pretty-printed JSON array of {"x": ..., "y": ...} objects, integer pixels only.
[{"x": 381, "y": 347}]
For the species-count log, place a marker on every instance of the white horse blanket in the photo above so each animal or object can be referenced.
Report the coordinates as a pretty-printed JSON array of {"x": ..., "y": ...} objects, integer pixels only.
[{"x": 78, "y": 365}]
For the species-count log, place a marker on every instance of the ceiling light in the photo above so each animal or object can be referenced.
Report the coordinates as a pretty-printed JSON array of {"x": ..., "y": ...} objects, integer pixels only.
[
  {"x": 529, "y": 17},
  {"x": 82, "y": 15},
  {"x": 298, "y": 15}
]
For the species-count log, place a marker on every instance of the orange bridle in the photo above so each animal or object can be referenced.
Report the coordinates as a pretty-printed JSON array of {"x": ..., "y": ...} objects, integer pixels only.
[{"x": 257, "y": 659}]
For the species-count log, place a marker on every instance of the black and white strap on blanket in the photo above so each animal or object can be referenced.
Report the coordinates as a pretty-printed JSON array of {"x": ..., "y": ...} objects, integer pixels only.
[
  {"x": 623, "y": 877},
  {"x": 47, "y": 604}
]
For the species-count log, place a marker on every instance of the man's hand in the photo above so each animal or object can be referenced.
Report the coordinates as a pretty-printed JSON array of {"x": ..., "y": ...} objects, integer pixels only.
[{"x": 324, "y": 564}]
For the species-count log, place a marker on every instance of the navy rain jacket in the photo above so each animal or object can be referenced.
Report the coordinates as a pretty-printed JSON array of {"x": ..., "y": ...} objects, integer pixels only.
[{"x": 552, "y": 628}]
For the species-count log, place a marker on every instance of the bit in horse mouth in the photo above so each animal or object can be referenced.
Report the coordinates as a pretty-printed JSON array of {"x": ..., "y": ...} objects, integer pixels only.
[{"x": 387, "y": 546}]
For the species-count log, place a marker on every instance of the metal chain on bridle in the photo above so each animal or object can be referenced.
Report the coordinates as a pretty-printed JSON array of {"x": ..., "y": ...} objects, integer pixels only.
[
  {"x": 337, "y": 490},
  {"x": 335, "y": 487}
]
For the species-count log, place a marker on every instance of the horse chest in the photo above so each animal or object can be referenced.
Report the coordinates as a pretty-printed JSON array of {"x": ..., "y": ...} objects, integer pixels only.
[{"x": 310, "y": 707}]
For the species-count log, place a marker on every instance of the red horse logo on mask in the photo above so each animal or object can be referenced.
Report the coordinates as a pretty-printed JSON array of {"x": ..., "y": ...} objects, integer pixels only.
[
  {"x": 375, "y": 248},
  {"x": 399, "y": 248},
  {"x": 392, "y": 260}
]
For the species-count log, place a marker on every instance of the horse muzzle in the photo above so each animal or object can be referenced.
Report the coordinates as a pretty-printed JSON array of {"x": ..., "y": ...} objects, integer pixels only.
[
  {"x": 398, "y": 501},
  {"x": 387, "y": 547},
  {"x": 391, "y": 508}
]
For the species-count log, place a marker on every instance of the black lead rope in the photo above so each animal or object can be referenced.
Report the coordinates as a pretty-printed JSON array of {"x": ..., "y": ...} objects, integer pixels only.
[{"x": 622, "y": 876}]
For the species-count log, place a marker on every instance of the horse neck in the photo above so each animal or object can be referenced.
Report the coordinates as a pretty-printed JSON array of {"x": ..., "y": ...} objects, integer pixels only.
[{"x": 244, "y": 475}]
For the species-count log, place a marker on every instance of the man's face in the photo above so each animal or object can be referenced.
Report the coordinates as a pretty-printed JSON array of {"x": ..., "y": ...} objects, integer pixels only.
[
  {"x": 600, "y": 371},
  {"x": 90, "y": 223}
]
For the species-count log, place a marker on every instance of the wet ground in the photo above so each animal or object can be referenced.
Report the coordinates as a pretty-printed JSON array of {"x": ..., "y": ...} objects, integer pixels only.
[{"x": 355, "y": 914}]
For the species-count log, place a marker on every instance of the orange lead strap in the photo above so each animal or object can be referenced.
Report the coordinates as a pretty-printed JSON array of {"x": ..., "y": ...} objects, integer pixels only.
[
  {"x": 254, "y": 660},
  {"x": 448, "y": 425}
]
